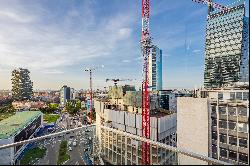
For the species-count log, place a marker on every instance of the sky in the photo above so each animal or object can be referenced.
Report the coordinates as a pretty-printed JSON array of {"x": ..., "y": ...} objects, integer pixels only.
[{"x": 56, "y": 40}]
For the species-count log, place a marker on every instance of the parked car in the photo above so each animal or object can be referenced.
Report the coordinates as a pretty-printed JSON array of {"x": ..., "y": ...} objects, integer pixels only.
[{"x": 74, "y": 144}]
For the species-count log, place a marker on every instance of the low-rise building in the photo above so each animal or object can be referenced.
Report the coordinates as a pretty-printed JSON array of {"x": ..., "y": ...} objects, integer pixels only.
[{"x": 19, "y": 127}]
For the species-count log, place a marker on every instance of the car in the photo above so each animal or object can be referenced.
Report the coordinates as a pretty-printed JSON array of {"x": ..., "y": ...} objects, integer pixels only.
[
  {"x": 74, "y": 143},
  {"x": 70, "y": 149},
  {"x": 69, "y": 143},
  {"x": 72, "y": 136}
]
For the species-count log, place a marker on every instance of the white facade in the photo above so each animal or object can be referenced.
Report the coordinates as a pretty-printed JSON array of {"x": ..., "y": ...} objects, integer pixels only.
[{"x": 192, "y": 128}]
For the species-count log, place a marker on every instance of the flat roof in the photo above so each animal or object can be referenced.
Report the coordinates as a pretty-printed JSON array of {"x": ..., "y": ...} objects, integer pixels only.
[{"x": 10, "y": 126}]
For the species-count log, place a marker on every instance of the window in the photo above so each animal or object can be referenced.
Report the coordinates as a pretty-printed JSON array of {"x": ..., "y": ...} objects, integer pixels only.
[
  {"x": 222, "y": 111},
  {"x": 214, "y": 122},
  {"x": 245, "y": 95},
  {"x": 233, "y": 155},
  {"x": 214, "y": 148},
  {"x": 223, "y": 152},
  {"x": 243, "y": 127},
  {"x": 233, "y": 140},
  {"x": 232, "y": 125},
  {"x": 243, "y": 142},
  {"x": 232, "y": 111},
  {"x": 239, "y": 95},
  {"x": 242, "y": 111},
  {"x": 223, "y": 124},
  {"x": 214, "y": 135},
  {"x": 223, "y": 138},
  {"x": 243, "y": 158},
  {"x": 220, "y": 96},
  {"x": 213, "y": 109},
  {"x": 232, "y": 95}
]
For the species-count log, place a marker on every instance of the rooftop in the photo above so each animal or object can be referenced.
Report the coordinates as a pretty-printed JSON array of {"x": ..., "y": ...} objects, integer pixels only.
[{"x": 13, "y": 124}]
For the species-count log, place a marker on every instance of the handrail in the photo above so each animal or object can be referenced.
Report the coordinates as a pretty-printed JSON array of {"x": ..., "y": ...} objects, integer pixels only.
[
  {"x": 174, "y": 149},
  {"x": 43, "y": 137},
  {"x": 171, "y": 148}
]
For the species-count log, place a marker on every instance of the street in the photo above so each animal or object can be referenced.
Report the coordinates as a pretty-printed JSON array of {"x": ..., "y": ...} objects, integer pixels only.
[{"x": 83, "y": 141}]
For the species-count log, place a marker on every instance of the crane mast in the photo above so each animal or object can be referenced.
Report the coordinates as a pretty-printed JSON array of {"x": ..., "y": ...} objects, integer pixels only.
[{"x": 145, "y": 47}]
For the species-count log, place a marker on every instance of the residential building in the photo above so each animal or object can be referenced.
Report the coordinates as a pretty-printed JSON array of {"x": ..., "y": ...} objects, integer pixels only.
[
  {"x": 219, "y": 119},
  {"x": 155, "y": 68},
  {"x": 64, "y": 95},
  {"x": 19, "y": 127},
  {"x": 226, "y": 52}
]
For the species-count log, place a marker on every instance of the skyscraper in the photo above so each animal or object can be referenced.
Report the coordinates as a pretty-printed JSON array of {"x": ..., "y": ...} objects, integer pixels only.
[
  {"x": 226, "y": 56},
  {"x": 64, "y": 95},
  {"x": 155, "y": 68},
  {"x": 22, "y": 86}
]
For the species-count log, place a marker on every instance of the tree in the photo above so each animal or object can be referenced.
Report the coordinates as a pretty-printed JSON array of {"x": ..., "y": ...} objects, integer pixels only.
[
  {"x": 22, "y": 87},
  {"x": 73, "y": 106}
]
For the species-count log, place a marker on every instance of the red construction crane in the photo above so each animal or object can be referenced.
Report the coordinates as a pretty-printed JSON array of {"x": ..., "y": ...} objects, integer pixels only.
[
  {"x": 90, "y": 70},
  {"x": 145, "y": 47},
  {"x": 212, "y": 5}
]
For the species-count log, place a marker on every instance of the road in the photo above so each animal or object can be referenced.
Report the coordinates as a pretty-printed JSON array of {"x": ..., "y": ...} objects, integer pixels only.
[{"x": 76, "y": 155}]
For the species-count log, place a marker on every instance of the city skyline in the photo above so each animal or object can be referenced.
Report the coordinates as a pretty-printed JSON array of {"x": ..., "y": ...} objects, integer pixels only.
[{"x": 56, "y": 40}]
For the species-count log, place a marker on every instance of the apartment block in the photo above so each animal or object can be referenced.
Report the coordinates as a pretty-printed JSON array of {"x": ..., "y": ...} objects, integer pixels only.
[
  {"x": 64, "y": 95},
  {"x": 227, "y": 123}
]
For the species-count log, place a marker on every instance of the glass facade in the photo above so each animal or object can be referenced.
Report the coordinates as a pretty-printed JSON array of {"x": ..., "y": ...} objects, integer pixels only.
[
  {"x": 226, "y": 42},
  {"x": 155, "y": 68}
]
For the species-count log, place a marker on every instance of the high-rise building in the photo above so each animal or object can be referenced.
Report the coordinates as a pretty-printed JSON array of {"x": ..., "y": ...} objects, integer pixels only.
[
  {"x": 22, "y": 87},
  {"x": 155, "y": 68},
  {"x": 64, "y": 95},
  {"x": 227, "y": 54}
]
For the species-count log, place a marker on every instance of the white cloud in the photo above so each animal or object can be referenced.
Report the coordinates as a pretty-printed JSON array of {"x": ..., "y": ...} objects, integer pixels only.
[
  {"x": 126, "y": 61},
  {"x": 37, "y": 45},
  {"x": 52, "y": 71},
  {"x": 196, "y": 51}
]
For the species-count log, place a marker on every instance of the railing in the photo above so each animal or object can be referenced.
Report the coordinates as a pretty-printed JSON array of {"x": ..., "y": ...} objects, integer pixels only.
[{"x": 108, "y": 146}]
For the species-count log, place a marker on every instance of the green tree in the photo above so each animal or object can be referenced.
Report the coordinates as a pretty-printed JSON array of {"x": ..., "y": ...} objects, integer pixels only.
[{"x": 73, "y": 106}]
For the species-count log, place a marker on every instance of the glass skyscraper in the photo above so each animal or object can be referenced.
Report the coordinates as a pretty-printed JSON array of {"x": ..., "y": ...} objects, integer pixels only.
[
  {"x": 155, "y": 68},
  {"x": 226, "y": 56}
]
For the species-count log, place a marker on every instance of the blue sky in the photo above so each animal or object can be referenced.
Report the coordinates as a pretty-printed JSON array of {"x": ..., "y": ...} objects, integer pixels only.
[{"x": 57, "y": 39}]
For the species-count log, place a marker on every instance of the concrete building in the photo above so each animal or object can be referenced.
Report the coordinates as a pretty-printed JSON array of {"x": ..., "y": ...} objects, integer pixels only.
[
  {"x": 221, "y": 121},
  {"x": 155, "y": 68},
  {"x": 64, "y": 95},
  {"x": 227, "y": 53},
  {"x": 193, "y": 128},
  {"x": 162, "y": 129},
  {"x": 124, "y": 113},
  {"x": 19, "y": 127}
]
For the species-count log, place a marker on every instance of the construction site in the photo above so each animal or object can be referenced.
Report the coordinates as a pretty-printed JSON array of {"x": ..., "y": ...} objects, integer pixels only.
[{"x": 122, "y": 110}]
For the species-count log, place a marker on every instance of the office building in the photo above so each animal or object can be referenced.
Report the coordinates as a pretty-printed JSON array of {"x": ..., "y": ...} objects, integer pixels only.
[
  {"x": 226, "y": 53},
  {"x": 216, "y": 124},
  {"x": 64, "y": 95},
  {"x": 155, "y": 68},
  {"x": 19, "y": 127}
]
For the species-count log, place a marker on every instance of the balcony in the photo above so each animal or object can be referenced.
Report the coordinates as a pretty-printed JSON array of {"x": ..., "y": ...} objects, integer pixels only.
[{"x": 84, "y": 147}]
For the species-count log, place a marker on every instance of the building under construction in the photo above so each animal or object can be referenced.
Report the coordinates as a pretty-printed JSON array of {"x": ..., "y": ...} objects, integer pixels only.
[
  {"x": 227, "y": 54},
  {"x": 124, "y": 112}
]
